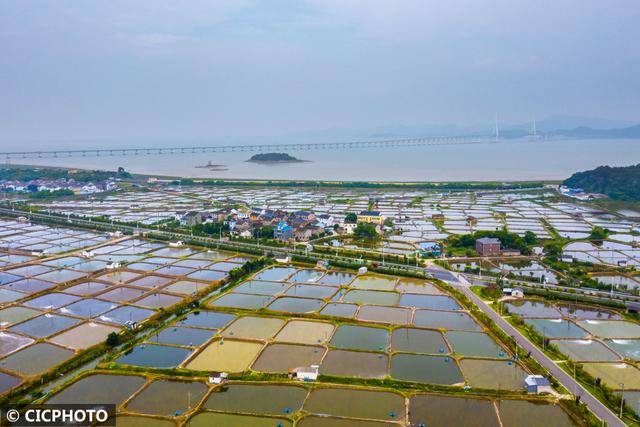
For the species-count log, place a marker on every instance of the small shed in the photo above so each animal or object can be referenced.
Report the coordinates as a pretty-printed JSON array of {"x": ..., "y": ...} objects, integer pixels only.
[
  {"x": 218, "y": 377},
  {"x": 566, "y": 258},
  {"x": 537, "y": 384},
  {"x": 304, "y": 373},
  {"x": 513, "y": 292}
]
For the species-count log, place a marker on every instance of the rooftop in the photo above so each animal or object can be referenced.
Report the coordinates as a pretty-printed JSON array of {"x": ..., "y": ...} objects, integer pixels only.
[{"x": 488, "y": 241}]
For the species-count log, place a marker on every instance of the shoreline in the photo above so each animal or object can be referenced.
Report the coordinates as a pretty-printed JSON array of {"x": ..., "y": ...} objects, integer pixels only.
[{"x": 327, "y": 182}]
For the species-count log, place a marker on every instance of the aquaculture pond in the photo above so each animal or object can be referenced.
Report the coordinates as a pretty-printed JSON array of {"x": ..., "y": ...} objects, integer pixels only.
[
  {"x": 586, "y": 312},
  {"x": 225, "y": 355},
  {"x": 177, "y": 335},
  {"x": 259, "y": 287},
  {"x": 99, "y": 388},
  {"x": 83, "y": 336},
  {"x": 371, "y": 297},
  {"x": 516, "y": 413},
  {"x": 611, "y": 328},
  {"x": 493, "y": 374},
  {"x": 444, "y": 411},
  {"x": 345, "y": 363},
  {"x": 207, "y": 319},
  {"x": 378, "y": 405},
  {"x": 433, "y": 302},
  {"x": 154, "y": 356},
  {"x": 269, "y": 399},
  {"x": 246, "y": 301},
  {"x": 122, "y": 294},
  {"x": 207, "y": 419},
  {"x": 412, "y": 340},
  {"x": 321, "y": 421},
  {"x": 391, "y": 315},
  {"x": 557, "y": 328},
  {"x": 88, "y": 308},
  {"x": 337, "y": 278},
  {"x": 426, "y": 369},
  {"x": 164, "y": 397},
  {"x": 282, "y": 357},
  {"x": 445, "y": 320},
  {"x": 374, "y": 283},
  {"x": 339, "y": 310},
  {"x": 476, "y": 344},
  {"x": 615, "y": 374},
  {"x": 416, "y": 286},
  {"x": 305, "y": 332},
  {"x": 35, "y": 359},
  {"x": 88, "y": 288},
  {"x": 296, "y": 305},
  {"x": 275, "y": 274},
  {"x": 250, "y": 327},
  {"x": 311, "y": 291},
  {"x": 45, "y": 325},
  {"x": 361, "y": 338},
  {"x": 306, "y": 276},
  {"x": 532, "y": 308},
  {"x": 8, "y": 382},
  {"x": 629, "y": 349},
  {"x": 586, "y": 350},
  {"x": 12, "y": 342}
]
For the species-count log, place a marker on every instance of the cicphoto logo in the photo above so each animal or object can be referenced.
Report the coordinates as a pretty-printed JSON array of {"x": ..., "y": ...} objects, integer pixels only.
[{"x": 57, "y": 415}]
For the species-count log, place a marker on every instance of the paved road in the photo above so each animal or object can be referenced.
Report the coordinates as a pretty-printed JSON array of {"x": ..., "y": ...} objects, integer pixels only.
[{"x": 597, "y": 407}]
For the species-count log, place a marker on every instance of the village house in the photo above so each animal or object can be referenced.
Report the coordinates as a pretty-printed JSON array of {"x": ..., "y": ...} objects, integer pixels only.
[
  {"x": 371, "y": 217},
  {"x": 303, "y": 234},
  {"x": 488, "y": 246},
  {"x": 537, "y": 384},
  {"x": 283, "y": 231},
  {"x": 325, "y": 220}
]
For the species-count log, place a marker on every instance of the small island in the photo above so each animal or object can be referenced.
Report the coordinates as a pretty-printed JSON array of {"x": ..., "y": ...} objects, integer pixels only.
[{"x": 274, "y": 158}]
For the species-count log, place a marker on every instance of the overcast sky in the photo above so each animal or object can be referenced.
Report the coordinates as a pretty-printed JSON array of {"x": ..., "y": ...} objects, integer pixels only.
[{"x": 157, "y": 70}]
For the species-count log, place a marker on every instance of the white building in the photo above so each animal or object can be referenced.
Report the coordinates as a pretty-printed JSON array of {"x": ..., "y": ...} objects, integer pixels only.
[
  {"x": 537, "y": 384},
  {"x": 305, "y": 373}
]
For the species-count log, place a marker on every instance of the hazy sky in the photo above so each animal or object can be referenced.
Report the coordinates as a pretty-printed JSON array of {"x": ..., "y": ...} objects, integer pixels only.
[{"x": 157, "y": 70}]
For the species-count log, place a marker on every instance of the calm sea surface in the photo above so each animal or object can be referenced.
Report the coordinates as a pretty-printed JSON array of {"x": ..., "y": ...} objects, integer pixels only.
[{"x": 506, "y": 160}]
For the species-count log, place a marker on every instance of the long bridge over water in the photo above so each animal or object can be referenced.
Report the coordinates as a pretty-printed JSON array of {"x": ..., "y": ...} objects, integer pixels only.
[{"x": 97, "y": 152}]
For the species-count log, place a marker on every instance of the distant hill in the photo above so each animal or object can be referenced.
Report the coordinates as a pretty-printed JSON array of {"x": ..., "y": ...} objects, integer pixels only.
[
  {"x": 619, "y": 183},
  {"x": 588, "y": 132},
  {"x": 273, "y": 158}
]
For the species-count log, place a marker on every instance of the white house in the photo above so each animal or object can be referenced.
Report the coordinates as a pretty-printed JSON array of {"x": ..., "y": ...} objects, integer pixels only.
[
  {"x": 325, "y": 220},
  {"x": 513, "y": 292},
  {"x": 176, "y": 244},
  {"x": 348, "y": 227},
  {"x": 304, "y": 373},
  {"x": 218, "y": 377},
  {"x": 566, "y": 258}
]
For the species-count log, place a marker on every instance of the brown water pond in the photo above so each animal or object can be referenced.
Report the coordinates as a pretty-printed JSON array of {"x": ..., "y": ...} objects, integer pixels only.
[
  {"x": 168, "y": 398},
  {"x": 269, "y": 399},
  {"x": 346, "y": 363}
]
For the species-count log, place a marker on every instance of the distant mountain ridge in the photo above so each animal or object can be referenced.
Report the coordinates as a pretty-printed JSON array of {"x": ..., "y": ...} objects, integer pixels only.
[{"x": 588, "y": 132}]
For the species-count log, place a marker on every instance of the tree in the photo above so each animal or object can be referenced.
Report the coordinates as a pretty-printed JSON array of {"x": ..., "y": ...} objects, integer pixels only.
[
  {"x": 263, "y": 232},
  {"x": 351, "y": 217},
  {"x": 530, "y": 238},
  {"x": 113, "y": 339},
  {"x": 365, "y": 231},
  {"x": 598, "y": 233}
]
